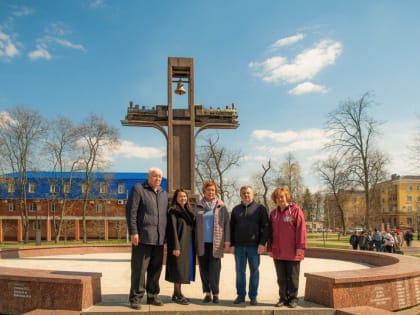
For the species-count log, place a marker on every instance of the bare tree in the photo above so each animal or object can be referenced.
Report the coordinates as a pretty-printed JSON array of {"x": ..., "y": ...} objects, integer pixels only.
[
  {"x": 336, "y": 178},
  {"x": 352, "y": 133},
  {"x": 318, "y": 209},
  {"x": 265, "y": 183},
  {"x": 214, "y": 162},
  {"x": 290, "y": 176},
  {"x": 261, "y": 183},
  {"x": 97, "y": 139},
  {"x": 61, "y": 145},
  {"x": 21, "y": 134},
  {"x": 308, "y": 205}
]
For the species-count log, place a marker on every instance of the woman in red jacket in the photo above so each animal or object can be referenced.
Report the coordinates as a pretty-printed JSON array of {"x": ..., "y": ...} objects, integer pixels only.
[{"x": 287, "y": 245}]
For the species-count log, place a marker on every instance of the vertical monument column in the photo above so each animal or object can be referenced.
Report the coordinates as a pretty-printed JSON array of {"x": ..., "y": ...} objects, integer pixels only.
[{"x": 181, "y": 121}]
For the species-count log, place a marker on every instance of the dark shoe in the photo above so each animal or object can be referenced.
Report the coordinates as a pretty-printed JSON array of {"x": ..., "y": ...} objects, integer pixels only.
[
  {"x": 281, "y": 303},
  {"x": 135, "y": 305},
  {"x": 207, "y": 299},
  {"x": 215, "y": 299},
  {"x": 180, "y": 300},
  {"x": 293, "y": 303},
  {"x": 154, "y": 301},
  {"x": 239, "y": 300},
  {"x": 253, "y": 302}
]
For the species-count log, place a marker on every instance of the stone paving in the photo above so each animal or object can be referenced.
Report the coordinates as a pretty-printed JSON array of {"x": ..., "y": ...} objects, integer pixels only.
[{"x": 115, "y": 269}]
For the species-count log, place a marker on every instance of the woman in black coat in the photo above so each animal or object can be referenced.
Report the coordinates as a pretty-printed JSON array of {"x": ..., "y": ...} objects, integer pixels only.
[{"x": 180, "y": 263}]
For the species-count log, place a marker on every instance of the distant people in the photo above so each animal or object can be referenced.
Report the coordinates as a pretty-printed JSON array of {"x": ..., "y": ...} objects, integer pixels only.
[
  {"x": 146, "y": 213},
  {"x": 388, "y": 242},
  {"x": 400, "y": 239},
  {"x": 363, "y": 241},
  {"x": 408, "y": 236},
  {"x": 212, "y": 236},
  {"x": 249, "y": 228},
  {"x": 180, "y": 263},
  {"x": 377, "y": 240},
  {"x": 287, "y": 244},
  {"x": 354, "y": 240},
  {"x": 396, "y": 247}
]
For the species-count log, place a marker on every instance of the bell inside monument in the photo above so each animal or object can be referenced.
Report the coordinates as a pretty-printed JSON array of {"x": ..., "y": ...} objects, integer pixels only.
[{"x": 180, "y": 90}]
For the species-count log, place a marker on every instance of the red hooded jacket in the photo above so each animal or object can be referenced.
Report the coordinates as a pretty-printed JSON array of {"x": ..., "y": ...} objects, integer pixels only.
[{"x": 287, "y": 233}]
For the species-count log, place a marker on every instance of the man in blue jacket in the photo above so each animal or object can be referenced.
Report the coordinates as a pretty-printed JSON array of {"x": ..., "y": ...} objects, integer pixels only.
[
  {"x": 146, "y": 213},
  {"x": 249, "y": 230}
]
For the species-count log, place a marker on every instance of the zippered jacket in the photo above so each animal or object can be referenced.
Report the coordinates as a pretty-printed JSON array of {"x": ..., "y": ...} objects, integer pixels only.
[
  {"x": 146, "y": 213},
  {"x": 287, "y": 233},
  {"x": 249, "y": 225}
]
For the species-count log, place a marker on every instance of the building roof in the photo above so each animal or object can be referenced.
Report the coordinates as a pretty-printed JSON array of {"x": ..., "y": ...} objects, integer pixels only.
[{"x": 44, "y": 180}]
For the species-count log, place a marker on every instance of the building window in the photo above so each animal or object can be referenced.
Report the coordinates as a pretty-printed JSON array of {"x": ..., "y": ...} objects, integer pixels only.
[
  {"x": 418, "y": 208},
  {"x": 409, "y": 188},
  {"x": 409, "y": 209},
  {"x": 32, "y": 207},
  {"x": 66, "y": 188},
  {"x": 103, "y": 187},
  {"x": 31, "y": 188},
  {"x": 53, "y": 188},
  {"x": 418, "y": 198},
  {"x": 11, "y": 207},
  {"x": 11, "y": 188},
  {"x": 99, "y": 208},
  {"x": 409, "y": 198},
  {"x": 121, "y": 188},
  {"x": 409, "y": 221},
  {"x": 418, "y": 187},
  {"x": 53, "y": 207},
  {"x": 36, "y": 225}
]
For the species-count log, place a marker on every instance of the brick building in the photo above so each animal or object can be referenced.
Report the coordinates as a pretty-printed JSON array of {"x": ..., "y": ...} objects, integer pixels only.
[{"x": 46, "y": 199}]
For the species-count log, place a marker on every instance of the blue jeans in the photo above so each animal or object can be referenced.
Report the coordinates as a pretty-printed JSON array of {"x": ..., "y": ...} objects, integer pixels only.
[{"x": 242, "y": 255}]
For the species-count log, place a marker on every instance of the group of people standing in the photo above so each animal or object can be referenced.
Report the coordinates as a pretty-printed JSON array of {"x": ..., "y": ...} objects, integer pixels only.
[
  {"x": 206, "y": 230},
  {"x": 386, "y": 241}
]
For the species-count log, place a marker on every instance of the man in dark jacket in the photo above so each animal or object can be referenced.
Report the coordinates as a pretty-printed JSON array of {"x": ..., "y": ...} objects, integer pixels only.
[
  {"x": 146, "y": 213},
  {"x": 249, "y": 228}
]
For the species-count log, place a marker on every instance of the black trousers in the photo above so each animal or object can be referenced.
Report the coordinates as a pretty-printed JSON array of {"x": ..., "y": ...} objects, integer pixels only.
[
  {"x": 209, "y": 270},
  {"x": 145, "y": 259},
  {"x": 287, "y": 279}
]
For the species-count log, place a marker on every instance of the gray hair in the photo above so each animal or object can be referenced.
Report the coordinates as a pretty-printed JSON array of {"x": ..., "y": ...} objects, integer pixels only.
[{"x": 155, "y": 170}]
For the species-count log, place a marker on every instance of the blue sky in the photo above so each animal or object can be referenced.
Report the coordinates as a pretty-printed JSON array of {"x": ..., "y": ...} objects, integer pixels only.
[{"x": 284, "y": 64}]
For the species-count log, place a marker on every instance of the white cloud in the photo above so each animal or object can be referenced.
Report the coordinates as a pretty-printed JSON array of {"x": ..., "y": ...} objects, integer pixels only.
[
  {"x": 128, "y": 149},
  {"x": 288, "y": 40},
  {"x": 308, "y": 87},
  {"x": 44, "y": 47},
  {"x": 312, "y": 134},
  {"x": 305, "y": 66},
  {"x": 95, "y": 4},
  {"x": 8, "y": 49},
  {"x": 22, "y": 11},
  {"x": 5, "y": 120},
  {"x": 39, "y": 53},
  {"x": 68, "y": 44}
]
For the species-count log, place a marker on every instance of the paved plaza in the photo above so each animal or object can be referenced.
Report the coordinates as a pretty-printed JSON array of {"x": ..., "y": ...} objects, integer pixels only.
[{"x": 115, "y": 282}]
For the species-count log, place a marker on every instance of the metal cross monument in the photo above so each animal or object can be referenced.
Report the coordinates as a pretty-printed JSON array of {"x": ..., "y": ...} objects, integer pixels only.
[{"x": 180, "y": 126}]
